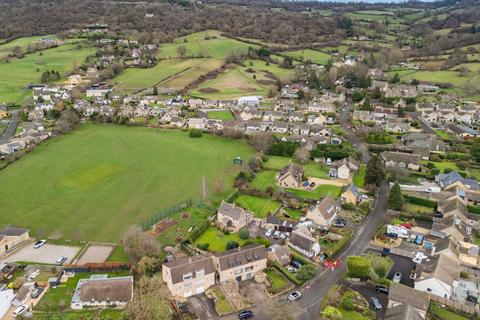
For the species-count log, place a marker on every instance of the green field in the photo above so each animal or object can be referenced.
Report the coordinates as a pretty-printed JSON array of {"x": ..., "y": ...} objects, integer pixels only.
[
  {"x": 18, "y": 73},
  {"x": 197, "y": 44},
  {"x": 181, "y": 80},
  {"x": 93, "y": 183},
  {"x": 20, "y": 42},
  {"x": 308, "y": 54},
  {"x": 220, "y": 115}
]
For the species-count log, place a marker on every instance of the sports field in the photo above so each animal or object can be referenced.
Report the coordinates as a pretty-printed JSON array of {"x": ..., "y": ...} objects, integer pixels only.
[
  {"x": 93, "y": 183},
  {"x": 18, "y": 73}
]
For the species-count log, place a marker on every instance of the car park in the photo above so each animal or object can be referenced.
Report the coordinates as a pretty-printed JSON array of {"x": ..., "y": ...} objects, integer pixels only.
[
  {"x": 36, "y": 292},
  {"x": 375, "y": 303},
  {"x": 38, "y": 244},
  {"x": 382, "y": 289},
  {"x": 20, "y": 311},
  {"x": 247, "y": 314},
  {"x": 61, "y": 260},
  {"x": 295, "y": 295},
  {"x": 397, "y": 277},
  {"x": 268, "y": 233}
]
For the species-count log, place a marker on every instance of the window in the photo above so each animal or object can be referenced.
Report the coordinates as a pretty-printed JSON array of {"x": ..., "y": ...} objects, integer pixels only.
[
  {"x": 429, "y": 290},
  {"x": 249, "y": 268},
  {"x": 200, "y": 273},
  {"x": 238, "y": 271},
  {"x": 187, "y": 276}
]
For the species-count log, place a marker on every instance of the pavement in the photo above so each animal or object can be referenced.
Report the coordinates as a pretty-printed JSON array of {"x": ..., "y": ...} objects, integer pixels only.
[
  {"x": 48, "y": 253},
  {"x": 10, "y": 129}
]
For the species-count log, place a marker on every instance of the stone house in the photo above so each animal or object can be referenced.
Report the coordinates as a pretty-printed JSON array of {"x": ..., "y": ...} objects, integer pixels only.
[
  {"x": 231, "y": 217},
  {"x": 291, "y": 176}
]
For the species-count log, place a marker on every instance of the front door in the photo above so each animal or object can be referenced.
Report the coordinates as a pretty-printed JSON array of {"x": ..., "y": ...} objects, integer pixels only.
[{"x": 239, "y": 278}]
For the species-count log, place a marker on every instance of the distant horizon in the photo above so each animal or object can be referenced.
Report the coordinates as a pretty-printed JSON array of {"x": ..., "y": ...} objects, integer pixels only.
[{"x": 365, "y": 1}]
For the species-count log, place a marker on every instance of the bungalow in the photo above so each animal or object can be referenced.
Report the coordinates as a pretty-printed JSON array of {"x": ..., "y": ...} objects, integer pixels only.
[
  {"x": 320, "y": 107},
  {"x": 272, "y": 116},
  {"x": 351, "y": 194},
  {"x": 102, "y": 292},
  {"x": 177, "y": 122},
  {"x": 10, "y": 237},
  {"x": 401, "y": 295},
  {"x": 300, "y": 128},
  {"x": 323, "y": 131},
  {"x": 197, "y": 123},
  {"x": 291, "y": 176},
  {"x": 343, "y": 168},
  {"x": 453, "y": 179},
  {"x": 189, "y": 276},
  {"x": 231, "y": 217},
  {"x": 280, "y": 127},
  {"x": 319, "y": 119},
  {"x": 247, "y": 115},
  {"x": 430, "y": 116},
  {"x": 440, "y": 278},
  {"x": 301, "y": 240},
  {"x": 323, "y": 212},
  {"x": 279, "y": 253},
  {"x": 277, "y": 224},
  {"x": 463, "y": 131},
  {"x": 241, "y": 263},
  {"x": 401, "y": 160},
  {"x": 398, "y": 127}
]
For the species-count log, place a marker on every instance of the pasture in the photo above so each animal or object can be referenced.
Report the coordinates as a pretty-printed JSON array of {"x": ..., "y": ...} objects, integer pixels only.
[
  {"x": 191, "y": 74},
  {"x": 309, "y": 55},
  {"x": 95, "y": 182},
  {"x": 18, "y": 73}
]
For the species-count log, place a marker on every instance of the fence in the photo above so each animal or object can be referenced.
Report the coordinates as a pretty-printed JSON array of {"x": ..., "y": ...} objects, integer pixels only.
[
  {"x": 169, "y": 211},
  {"x": 457, "y": 306}
]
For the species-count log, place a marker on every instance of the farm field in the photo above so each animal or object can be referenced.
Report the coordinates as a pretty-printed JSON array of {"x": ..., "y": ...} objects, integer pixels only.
[
  {"x": 185, "y": 78},
  {"x": 232, "y": 83},
  {"x": 206, "y": 44},
  {"x": 308, "y": 54},
  {"x": 16, "y": 75},
  {"x": 135, "y": 79},
  {"x": 150, "y": 170},
  {"x": 21, "y": 42}
]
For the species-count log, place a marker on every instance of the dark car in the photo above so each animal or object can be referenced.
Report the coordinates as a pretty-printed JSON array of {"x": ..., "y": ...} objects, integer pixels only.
[
  {"x": 36, "y": 292},
  {"x": 247, "y": 314},
  {"x": 382, "y": 289},
  {"x": 376, "y": 303},
  {"x": 391, "y": 235},
  {"x": 8, "y": 268},
  {"x": 340, "y": 223},
  {"x": 296, "y": 264}
]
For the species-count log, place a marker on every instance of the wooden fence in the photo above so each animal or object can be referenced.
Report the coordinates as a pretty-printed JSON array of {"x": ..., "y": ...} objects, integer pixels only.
[{"x": 457, "y": 306}]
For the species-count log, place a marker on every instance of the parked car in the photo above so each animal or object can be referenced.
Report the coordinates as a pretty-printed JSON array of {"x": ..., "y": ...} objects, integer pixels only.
[
  {"x": 312, "y": 184},
  {"x": 305, "y": 184},
  {"x": 340, "y": 223},
  {"x": 382, "y": 289},
  {"x": 291, "y": 269},
  {"x": 20, "y": 311},
  {"x": 276, "y": 234},
  {"x": 39, "y": 243},
  {"x": 247, "y": 314},
  {"x": 418, "y": 240},
  {"x": 283, "y": 235},
  {"x": 268, "y": 233},
  {"x": 8, "y": 268},
  {"x": 61, "y": 260},
  {"x": 376, "y": 303},
  {"x": 296, "y": 264},
  {"x": 397, "y": 277},
  {"x": 36, "y": 292},
  {"x": 295, "y": 295}
]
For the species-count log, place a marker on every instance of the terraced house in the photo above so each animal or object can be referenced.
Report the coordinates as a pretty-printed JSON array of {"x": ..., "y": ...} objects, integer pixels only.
[{"x": 193, "y": 275}]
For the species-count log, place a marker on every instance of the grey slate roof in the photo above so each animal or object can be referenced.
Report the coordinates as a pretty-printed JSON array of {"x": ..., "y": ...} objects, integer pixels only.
[{"x": 241, "y": 256}]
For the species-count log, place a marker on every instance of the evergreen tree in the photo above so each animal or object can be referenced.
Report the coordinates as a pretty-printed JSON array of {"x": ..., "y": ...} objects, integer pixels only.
[
  {"x": 395, "y": 198},
  {"x": 396, "y": 78},
  {"x": 375, "y": 173}
]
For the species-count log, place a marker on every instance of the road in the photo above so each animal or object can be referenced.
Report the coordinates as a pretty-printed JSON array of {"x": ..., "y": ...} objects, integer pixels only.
[
  {"x": 10, "y": 130},
  {"x": 355, "y": 140}
]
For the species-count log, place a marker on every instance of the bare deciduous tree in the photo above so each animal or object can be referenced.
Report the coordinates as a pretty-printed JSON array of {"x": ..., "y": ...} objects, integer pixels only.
[
  {"x": 261, "y": 141},
  {"x": 137, "y": 244},
  {"x": 302, "y": 155}
]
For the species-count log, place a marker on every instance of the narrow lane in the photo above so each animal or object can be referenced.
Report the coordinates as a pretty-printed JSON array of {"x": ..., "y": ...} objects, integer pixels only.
[{"x": 10, "y": 129}]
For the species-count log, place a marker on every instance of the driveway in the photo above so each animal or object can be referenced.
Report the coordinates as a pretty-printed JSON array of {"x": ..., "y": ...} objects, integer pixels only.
[
  {"x": 48, "y": 253},
  {"x": 368, "y": 291}
]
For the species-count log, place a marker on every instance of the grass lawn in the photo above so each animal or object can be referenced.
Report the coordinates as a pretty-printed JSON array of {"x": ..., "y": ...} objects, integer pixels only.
[
  {"x": 294, "y": 214},
  {"x": 415, "y": 208},
  {"x": 359, "y": 177},
  {"x": 183, "y": 223},
  {"x": 58, "y": 299},
  {"x": 220, "y": 115},
  {"x": 442, "y": 165},
  {"x": 262, "y": 70},
  {"x": 264, "y": 179},
  {"x": 18, "y": 73},
  {"x": 442, "y": 134},
  {"x": 108, "y": 314},
  {"x": 277, "y": 282},
  {"x": 217, "y": 240},
  {"x": 317, "y": 57},
  {"x": 118, "y": 255},
  {"x": 276, "y": 162},
  {"x": 21, "y": 42},
  {"x": 316, "y": 170},
  {"x": 150, "y": 170},
  {"x": 319, "y": 192},
  {"x": 222, "y": 306},
  {"x": 444, "y": 314},
  {"x": 260, "y": 207}
]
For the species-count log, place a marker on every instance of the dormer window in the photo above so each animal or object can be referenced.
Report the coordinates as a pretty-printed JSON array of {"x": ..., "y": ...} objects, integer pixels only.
[{"x": 187, "y": 276}]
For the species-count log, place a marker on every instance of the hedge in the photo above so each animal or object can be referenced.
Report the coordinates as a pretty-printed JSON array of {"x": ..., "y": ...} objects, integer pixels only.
[
  {"x": 234, "y": 195},
  {"x": 420, "y": 217},
  {"x": 420, "y": 201},
  {"x": 289, "y": 275},
  {"x": 300, "y": 258},
  {"x": 474, "y": 209},
  {"x": 200, "y": 228}
]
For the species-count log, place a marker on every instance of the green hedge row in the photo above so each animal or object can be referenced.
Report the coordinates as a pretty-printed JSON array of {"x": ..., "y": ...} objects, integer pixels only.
[
  {"x": 420, "y": 217},
  {"x": 234, "y": 195},
  {"x": 420, "y": 201},
  {"x": 474, "y": 209},
  {"x": 198, "y": 230}
]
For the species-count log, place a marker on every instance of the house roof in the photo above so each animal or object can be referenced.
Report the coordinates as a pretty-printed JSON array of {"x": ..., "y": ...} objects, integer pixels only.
[
  {"x": 280, "y": 222},
  {"x": 110, "y": 289},
  {"x": 292, "y": 170},
  {"x": 445, "y": 269},
  {"x": 447, "y": 179},
  {"x": 181, "y": 266},
  {"x": 327, "y": 207},
  {"x": 446, "y": 206},
  {"x": 401, "y": 157},
  {"x": 232, "y": 211},
  {"x": 403, "y": 312},
  {"x": 302, "y": 237},
  {"x": 12, "y": 231},
  {"x": 281, "y": 252},
  {"x": 408, "y": 296},
  {"x": 241, "y": 256}
]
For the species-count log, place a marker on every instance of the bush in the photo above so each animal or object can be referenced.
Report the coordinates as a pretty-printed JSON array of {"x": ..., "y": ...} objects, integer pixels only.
[
  {"x": 348, "y": 206},
  {"x": 332, "y": 313},
  {"x": 420, "y": 201},
  {"x": 306, "y": 272},
  {"x": 232, "y": 245},
  {"x": 474, "y": 209},
  {"x": 204, "y": 246},
  {"x": 347, "y": 301},
  {"x": 244, "y": 234},
  {"x": 358, "y": 267},
  {"x": 195, "y": 133},
  {"x": 290, "y": 276}
]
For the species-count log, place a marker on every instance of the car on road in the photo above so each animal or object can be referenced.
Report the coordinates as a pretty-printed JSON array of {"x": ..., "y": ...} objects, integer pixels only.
[
  {"x": 246, "y": 314},
  {"x": 382, "y": 289},
  {"x": 20, "y": 311},
  {"x": 375, "y": 303},
  {"x": 397, "y": 277},
  {"x": 36, "y": 292},
  {"x": 61, "y": 260},
  {"x": 38, "y": 244},
  {"x": 268, "y": 233},
  {"x": 295, "y": 295}
]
